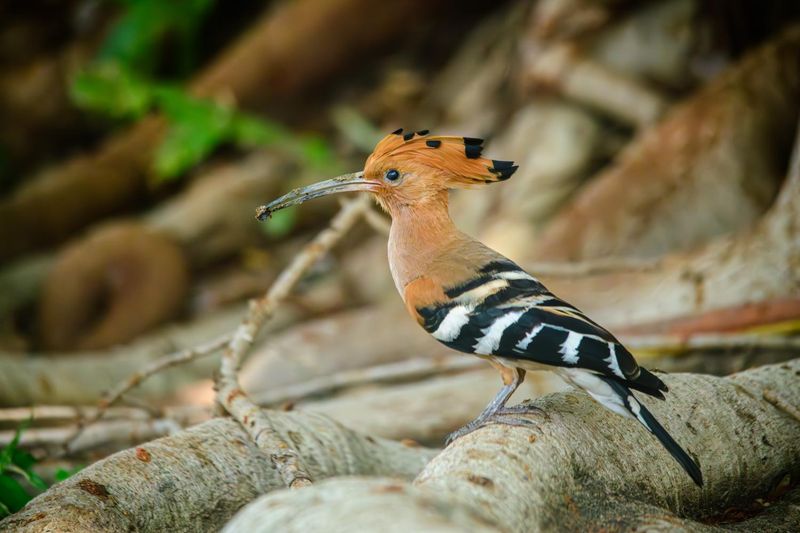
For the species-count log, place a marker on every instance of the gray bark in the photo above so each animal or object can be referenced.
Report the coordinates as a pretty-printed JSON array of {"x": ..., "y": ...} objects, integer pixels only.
[
  {"x": 195, "y": 480},
  {"x": 580, "y": 466}
]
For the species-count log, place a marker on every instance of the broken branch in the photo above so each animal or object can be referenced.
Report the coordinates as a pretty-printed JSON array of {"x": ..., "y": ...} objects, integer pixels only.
[{"x": 230, "y": 395}]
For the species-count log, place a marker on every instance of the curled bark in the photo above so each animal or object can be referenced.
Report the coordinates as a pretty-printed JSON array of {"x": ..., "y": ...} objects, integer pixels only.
[
  {"x": 111, "y": 287},
  {"x": 195, "y": 480},
  {"x": 209, "y": 221},
  {"x": 726, "y": 147},
  {"x": 562, "y": 471},
  {"x": 124, "y": 278}
]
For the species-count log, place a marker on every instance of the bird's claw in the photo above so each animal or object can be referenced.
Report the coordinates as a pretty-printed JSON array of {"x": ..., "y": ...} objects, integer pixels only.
[
  {"x": 510, "y": 416},
  {"x": 524, "y": 408}
]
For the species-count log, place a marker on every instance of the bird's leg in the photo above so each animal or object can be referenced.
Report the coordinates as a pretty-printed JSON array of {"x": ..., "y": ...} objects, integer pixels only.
[{"x": 496, "y": 411}]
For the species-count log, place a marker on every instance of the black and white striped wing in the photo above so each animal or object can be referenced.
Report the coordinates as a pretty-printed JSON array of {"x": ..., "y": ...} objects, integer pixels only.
[{"x": 505, "y": 312}]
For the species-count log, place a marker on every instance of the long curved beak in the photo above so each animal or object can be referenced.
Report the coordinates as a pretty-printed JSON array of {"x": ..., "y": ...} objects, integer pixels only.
[{"x": 354, "y": 182}]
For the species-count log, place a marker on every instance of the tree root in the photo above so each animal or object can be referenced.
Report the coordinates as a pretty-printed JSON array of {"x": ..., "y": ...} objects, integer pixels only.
[
  {"x": 722, "y": 147},
  {"x": 111, "y": 287},
  {"x": 195, "y": 480},
  {"x": 562, "y": 472}
]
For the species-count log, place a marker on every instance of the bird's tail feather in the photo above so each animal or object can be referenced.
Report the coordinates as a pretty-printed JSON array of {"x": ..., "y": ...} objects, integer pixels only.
[
  {"x": 646, "y": 418},
  {"x": 647, "y": 382}
]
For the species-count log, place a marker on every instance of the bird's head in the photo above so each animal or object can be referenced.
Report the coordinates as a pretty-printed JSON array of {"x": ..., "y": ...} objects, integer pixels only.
[{"x": 408, "y": 169}]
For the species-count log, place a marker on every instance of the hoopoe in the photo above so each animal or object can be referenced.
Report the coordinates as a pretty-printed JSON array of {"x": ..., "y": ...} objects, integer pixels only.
[{"x": 477, "y": 301}]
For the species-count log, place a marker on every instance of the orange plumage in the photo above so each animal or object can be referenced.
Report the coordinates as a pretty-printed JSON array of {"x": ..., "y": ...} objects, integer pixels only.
[{"x": 452, "y": 161}]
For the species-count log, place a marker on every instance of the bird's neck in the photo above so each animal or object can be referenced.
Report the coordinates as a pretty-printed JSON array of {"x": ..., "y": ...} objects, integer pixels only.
[{"x": 421, "y": 234}]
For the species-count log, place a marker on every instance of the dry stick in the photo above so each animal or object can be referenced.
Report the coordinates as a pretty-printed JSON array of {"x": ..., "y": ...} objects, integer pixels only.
[
  {"x": 168, "y": 361},
  {"x": 659, "y": 344},
  {"x": 562, "y": 66},
  {"x": 54, "y": 424},
  {"x": 775, "y": 398},
  {"x": 230, "y": 395},
  {"x": 592, "y": 267},
  {"x": 410, "y": 369},
  {"x": 65, "y": 414}
]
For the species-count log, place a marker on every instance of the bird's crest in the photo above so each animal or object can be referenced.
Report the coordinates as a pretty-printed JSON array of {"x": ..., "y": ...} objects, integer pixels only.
[{"x": 456, "y": 159}]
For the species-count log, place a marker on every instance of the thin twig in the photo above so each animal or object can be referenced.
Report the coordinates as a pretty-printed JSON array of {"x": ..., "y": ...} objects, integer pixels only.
[
  {"x": 135, "y": 379},
  {"x": 230, "y": 395},
  {"x": 63, "y": 414},
  {"x": 708, "y": 341},
  {"x": 53, "y": 424},
  {"x": 587, "y": 81},
  {"x": 130, "y": 432},
  {"x": 592, "y": 267},
  {"x": 778, "y": 401},
  {"x": 410, "y": 369}
]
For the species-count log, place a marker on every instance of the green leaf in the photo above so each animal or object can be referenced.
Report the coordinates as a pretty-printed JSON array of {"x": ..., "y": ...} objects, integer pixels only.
[
  {"x": 29, "y": 475},
  {"x": 196, "y": 126},
  {"x": 4, "y": 511},
  {"x": 137, "y": 37},
  {"x": 22, "y": 459},
  {"x": 247, "y": 131},
  {"x": 12, "y": 495},
  {"x": 9, "y": 450},
  {"x": 63, "y": 473},
  {"x": 316, "y": 152},
  {"x": 112, "y": 90},
  {"x": 182, "y": 148}
]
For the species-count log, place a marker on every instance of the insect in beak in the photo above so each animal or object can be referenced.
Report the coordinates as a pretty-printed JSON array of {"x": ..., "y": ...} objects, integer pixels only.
[{"x": 354, "y": 182}]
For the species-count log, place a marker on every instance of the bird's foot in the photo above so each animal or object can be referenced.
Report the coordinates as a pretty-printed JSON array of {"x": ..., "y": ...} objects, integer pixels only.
[
  {"x": 524, "y": 408},
  {"x": 510, "y": 416}
]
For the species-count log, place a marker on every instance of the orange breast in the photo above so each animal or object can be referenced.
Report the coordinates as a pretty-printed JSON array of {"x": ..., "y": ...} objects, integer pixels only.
[{"x": 422, "y": 292}]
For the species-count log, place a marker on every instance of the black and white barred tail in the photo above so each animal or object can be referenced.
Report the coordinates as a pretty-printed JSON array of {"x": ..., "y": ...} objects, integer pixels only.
[{"x": 618, "y": 398}]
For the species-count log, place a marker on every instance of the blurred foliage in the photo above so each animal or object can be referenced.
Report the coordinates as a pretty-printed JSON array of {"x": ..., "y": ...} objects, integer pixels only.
[
  {"x": 140, "y": 32},
  {"x": 16, "y": 465},
  {"x": 356, "y": 128},
  {"x": 119, "y": 85}
]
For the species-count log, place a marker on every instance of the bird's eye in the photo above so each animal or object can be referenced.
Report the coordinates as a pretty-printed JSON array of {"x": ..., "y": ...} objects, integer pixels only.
[{"x": 392, "y": 175}]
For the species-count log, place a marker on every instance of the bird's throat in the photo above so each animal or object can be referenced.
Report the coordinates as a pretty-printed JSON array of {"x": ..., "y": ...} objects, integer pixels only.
[{"x": 418, "y": 237}]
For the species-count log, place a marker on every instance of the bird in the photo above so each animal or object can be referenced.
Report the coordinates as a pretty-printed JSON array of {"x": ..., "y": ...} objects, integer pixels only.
[{"x": 473, "y": 299}]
